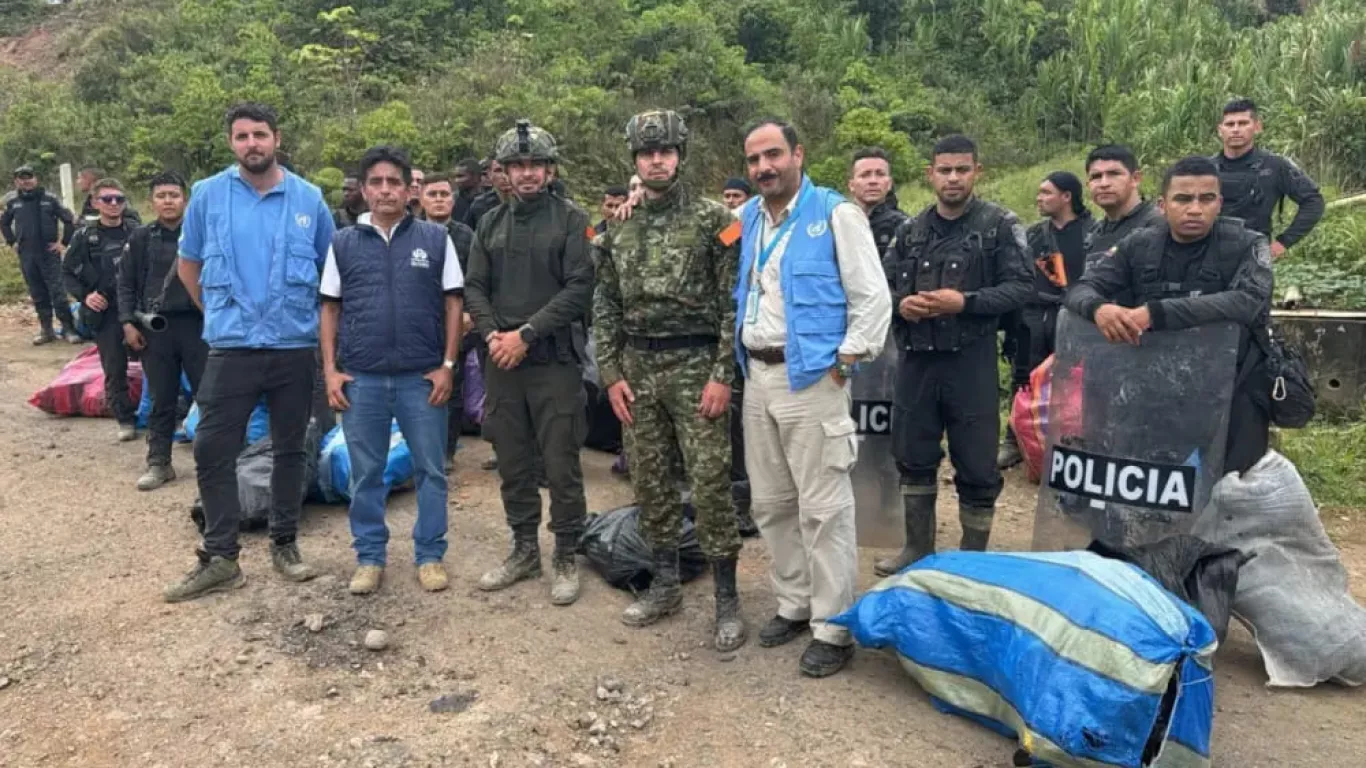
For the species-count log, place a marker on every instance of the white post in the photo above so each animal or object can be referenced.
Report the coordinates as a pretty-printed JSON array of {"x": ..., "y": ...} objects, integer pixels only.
[{"x": 68, "y": 188}]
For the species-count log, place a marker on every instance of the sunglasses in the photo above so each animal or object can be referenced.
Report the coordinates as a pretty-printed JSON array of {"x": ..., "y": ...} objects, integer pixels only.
[{"x": 113, "y": 199}]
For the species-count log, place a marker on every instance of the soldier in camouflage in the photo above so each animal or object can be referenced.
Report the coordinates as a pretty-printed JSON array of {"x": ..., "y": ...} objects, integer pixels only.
[{"x": 664, "y": 328}]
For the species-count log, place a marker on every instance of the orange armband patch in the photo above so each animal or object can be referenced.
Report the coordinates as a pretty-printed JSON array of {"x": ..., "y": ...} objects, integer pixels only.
[{"x": 730, "y": 234}]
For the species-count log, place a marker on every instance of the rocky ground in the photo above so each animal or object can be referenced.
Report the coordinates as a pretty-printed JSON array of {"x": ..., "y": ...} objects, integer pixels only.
[{"x": 96, "y": 671}]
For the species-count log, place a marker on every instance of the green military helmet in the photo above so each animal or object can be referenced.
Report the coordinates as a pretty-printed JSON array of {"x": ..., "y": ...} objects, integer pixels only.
[
  {"x": 526, "y": 142},
  {"x": 657, "y": 128}
]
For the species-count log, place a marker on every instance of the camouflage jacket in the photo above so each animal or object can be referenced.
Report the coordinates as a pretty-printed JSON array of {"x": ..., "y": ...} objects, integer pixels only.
[{"x": 668, "y": 271}]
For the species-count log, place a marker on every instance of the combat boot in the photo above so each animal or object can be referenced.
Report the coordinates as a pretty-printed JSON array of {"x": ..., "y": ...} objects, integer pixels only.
[
  {"x": 664, "y": 596},
  {"x": 289, "y": 563},
  {"x": 564, "y": 587},
  {"x": 976, "y": 523},
  {"x": 45, "y": 335},
  {"x": 731, "y": 632},
  {"x": 210, "y": 574},
  {"x": 1009, "y": 455},
  {"x": 156, "y": 476},
  {"x": 918, "y": 502},
  {"x": 524, "y": 562}
]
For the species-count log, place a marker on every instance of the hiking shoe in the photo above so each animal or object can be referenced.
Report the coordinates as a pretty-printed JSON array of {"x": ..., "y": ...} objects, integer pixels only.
[
  {"x": 731, "y": 632},
  {"x": 156, "y": 476},
  {"x": 779, "y": 631},
  {"x": 822, "y": 659},
  {"x": 489, "y": 464},
  {"x": 127, "y": 433},
  {"x": 210, "y": 574},
  {"x": 664, "y": 597},
  {"x": 366, "y": 579},
  {"x": 45, "y": 336},
  {"x": 289, "y": 563},
  {"x": 564, "y": 588},
  {"x": 432, "y": 577},
  {"x": 524, "y": 562},
  {"x": 745, "y": 522}
]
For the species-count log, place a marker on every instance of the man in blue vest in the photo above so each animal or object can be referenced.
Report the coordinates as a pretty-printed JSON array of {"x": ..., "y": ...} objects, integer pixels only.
[
  {"x": 251, "y": 249},
  {"x": 392, "y": 299},
  {"x": 812, "y": 305}
]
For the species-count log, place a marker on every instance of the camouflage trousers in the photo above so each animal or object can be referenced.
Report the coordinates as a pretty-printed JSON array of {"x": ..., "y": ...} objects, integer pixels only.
[{"x": 668, "y": 388}]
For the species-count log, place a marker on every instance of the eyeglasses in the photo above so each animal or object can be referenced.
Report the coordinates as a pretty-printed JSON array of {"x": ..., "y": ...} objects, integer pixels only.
[{"x": 113, "y": 199}]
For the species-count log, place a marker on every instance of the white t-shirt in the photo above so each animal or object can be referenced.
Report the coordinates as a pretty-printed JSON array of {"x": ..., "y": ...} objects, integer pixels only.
[{"x": 452, "y": 278}]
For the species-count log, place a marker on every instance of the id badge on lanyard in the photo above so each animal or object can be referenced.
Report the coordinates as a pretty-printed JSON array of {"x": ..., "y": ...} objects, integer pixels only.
[{"x": 752, "y": 298}]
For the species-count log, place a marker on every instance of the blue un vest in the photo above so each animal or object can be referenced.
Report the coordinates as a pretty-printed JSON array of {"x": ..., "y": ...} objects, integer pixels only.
[
  {"x": 814, "y": 303},
  {"x": 393, "y": 305},
  {"x": 289, "y": 319}
]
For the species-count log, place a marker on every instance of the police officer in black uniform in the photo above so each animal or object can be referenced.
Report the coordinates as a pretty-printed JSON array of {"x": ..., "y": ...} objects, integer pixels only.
[
  {"x": 171, "y": 345},
  {"x": 1256, "y": 182},
  {"x": 954, "y": 270},
  {"x": 85, "y": 182},
  {"x": 90, "y": 272},
  {"x": 1196, "y": 269},
  {"x": 30, "y": 226},
  {"x": 872, "y": 187},
  {"x": 1057, "y": 247}
]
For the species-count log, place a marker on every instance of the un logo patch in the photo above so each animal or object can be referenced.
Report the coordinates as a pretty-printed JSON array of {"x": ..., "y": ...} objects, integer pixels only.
[
  {"x": 303, "y": 220},
  {"x": 817, "y": 229}
]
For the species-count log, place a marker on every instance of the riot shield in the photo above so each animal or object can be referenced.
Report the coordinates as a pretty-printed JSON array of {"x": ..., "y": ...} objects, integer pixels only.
[
  {"x": 1137, "y": 439},
  {"x": 877, "y": 482}
]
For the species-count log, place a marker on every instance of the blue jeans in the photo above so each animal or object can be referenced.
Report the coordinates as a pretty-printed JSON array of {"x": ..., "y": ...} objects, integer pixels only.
[{"x": 375, "y": 400}]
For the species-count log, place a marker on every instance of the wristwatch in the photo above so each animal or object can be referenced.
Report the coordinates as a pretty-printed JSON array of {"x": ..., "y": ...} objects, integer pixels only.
[
  {"x": 527, "y": 333},
  {"x": 846, "y": 370},
  {"x": 448, "y": 364}
]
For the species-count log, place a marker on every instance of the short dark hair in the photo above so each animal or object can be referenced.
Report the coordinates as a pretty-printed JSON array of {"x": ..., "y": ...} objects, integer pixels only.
[
  {"x": 789, "y": 133},
  {"x": 168, "y": 178},
  {"x": 106, "y": 183},
  {"x": 1195, "y": 165},
  {"x": 955, "y": 144},
  {"x": 865, "y": 153},
  {"x": 250, "y": 110},
  {"x": 616, "y": 190},
  {"x": 1114, "y": 152},
  {"x": 438, "y": 177},
  {"x": 470, "y": 165},
  {"x": 1240, "y": 105},
  {"x": 385, "y": 154}
]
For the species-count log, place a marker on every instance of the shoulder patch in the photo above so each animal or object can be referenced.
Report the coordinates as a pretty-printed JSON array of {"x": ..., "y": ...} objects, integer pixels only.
[
  {"x": 590, "y": 233},
  {"x": 730, "y": 234}
]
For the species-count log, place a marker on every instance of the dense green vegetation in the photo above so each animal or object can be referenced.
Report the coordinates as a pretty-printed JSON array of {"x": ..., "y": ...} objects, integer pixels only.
[{"x": 141, "y": 84}]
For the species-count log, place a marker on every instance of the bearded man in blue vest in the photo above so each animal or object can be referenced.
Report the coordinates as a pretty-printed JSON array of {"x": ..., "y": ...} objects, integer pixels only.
[
  {"x": 392, "y": 301},
  {"x": 251, "y": 250},
  {"x": 812, "y": 305}
]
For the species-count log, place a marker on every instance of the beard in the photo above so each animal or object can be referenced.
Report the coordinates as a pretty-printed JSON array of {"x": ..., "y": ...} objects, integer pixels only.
[{"x": 258, "y": 164}]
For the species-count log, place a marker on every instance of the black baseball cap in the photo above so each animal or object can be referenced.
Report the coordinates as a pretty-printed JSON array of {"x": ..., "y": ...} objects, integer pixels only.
[{"x": 25, "y": 170}]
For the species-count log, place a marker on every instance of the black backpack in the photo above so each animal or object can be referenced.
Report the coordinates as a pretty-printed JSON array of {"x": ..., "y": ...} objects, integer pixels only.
[{"x": 1292, "y": 391}]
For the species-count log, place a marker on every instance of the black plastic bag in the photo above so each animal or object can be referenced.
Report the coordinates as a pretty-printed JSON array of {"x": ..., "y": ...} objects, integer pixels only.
[
  {"x": 1200, "y": 573},
  {"x": 254, "y": 466},
  {"x": 616, "y": 550}
]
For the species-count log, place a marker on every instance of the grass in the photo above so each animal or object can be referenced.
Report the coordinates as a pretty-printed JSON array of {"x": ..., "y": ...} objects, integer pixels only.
[
  {"x": 12, "y": 286},
  {"x": 1332, "y": 459}
]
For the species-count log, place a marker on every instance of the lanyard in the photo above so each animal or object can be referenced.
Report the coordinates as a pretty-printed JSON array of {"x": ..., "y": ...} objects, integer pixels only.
[{"x": 779, "y": 233}]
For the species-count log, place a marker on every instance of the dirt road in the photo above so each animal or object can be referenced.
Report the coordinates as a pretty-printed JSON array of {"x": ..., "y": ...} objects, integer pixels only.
[{"x": 96, "y": 671}]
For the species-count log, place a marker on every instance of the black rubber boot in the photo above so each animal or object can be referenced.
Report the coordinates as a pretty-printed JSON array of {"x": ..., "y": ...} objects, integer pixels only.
[
  {"x": 664, "y": 596},
  {"x": 918, "y": 501},
  {"x": 1009, "y": 455},
  {"x": 731, "y": 632},
  {"x": 976, "y": 523}
]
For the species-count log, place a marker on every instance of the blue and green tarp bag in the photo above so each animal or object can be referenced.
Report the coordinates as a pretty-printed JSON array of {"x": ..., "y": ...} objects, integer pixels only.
[{"x": 1086, "y": 661}]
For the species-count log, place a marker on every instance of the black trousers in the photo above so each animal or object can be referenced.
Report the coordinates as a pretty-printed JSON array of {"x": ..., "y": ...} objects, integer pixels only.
[
  {"x": 234, "y": 380},
  {"x": 114, "y": 362},
  {"x": 178, "y": 348},
  {"x": 43, "y": 275},
  {"x": 953, "y": 392},
  {"x": 537, "y": 410},
  {"x": 1036, "y": 337}
]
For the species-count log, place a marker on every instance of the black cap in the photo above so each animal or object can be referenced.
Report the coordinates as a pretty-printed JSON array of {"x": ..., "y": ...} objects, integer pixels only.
[
  {"x": 25, "y": 170},
  {"x": 736, "y": 182},
  {"x": 616, "y": 190}
]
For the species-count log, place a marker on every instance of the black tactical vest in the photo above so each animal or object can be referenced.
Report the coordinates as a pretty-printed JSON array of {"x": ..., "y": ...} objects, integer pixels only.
[
  {"x": 963, "y": 263},
  {"x": 1230, "y": 243},
  {"x": 1241, "y": 187}
]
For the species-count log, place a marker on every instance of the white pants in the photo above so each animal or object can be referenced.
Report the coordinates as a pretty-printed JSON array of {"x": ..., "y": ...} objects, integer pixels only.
[{"x": 799, "y": 450}]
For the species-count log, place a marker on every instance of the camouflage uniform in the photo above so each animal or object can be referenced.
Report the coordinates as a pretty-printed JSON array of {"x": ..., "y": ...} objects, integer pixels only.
[
  {"x": 664, "y": 320},
  {"x": 665, "y": 277}
]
